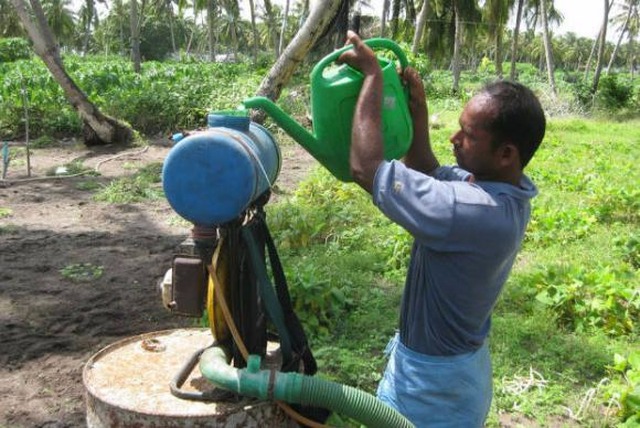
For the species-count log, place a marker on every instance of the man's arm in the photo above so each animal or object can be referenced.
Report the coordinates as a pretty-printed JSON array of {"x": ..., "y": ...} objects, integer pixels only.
[
  {"x": 366, "y": 133},
  {"x": 420, "y": 156}
]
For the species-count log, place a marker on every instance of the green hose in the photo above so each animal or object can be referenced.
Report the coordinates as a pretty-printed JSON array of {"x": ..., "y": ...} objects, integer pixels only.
[{"x": 298, "y": 389}]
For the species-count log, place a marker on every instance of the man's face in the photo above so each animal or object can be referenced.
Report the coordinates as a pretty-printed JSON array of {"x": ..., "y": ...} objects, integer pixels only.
[{"x": 472, "y": 143}]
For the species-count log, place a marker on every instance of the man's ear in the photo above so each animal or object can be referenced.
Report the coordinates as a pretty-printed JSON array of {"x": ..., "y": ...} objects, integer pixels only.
[{"x": 509, "y": 155}]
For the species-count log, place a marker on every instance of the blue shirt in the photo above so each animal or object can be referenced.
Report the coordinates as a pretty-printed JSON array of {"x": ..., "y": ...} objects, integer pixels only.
[{"x": 467, "y": 235}]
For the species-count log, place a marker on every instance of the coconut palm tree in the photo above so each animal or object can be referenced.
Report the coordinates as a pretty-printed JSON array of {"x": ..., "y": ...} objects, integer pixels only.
[
  {"x": 463, "y": 11},
  {"x": 231, "y": 23},
  {"x": 628, "y": 18},
  {"x": 135, "y": 35},
  {"x": 98, "y": 128},
  {"x": 385, "y": 15},
  {"x": 61, "y": 20},
  {"x": 254, "y": 30},
  {"x": 164, "y": 10},
  {"x": 283, "y": 28},
  {"x": 271, "y": 19},
  {"x": 547, "y": 45},
  {"x": 545, "y": 12},
  {"x": 315, "y": 25},
  {"x": 514, "y": 40},
  {"x": 87, "y": 18},
  {"x": 601, "y": 45},
  {"x": 497, "y": 15},
  {"x": 420, "y": 25}
]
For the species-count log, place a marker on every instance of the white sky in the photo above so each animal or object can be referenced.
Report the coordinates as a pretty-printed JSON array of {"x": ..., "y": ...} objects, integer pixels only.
[{"x": 583, "y": 17}]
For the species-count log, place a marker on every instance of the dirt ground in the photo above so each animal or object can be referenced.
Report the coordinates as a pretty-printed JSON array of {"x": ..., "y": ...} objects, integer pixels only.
[{"x": 51, "y": 325}]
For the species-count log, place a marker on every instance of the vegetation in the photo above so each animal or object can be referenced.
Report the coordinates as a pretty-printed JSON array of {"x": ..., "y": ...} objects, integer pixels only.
[
  {"x": 565, "y": 333},
  {"x": 82, "y": 272},
  {"x": 156, "y": 97}
]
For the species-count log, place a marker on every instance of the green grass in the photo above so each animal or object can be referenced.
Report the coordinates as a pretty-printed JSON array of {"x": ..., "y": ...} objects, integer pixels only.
[
  {"x": 142, "y": 185},
  {"x": 82, "y": 272},
  {"x": 570, "y": 306},
  {"x": 76, "y": 167}
]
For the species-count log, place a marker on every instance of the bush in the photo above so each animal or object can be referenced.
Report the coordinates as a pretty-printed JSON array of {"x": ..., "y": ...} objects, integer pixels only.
[
  {"x": 614, "y": 93},
  {"x": 589, "y": 298},
  {"x": 582, "y": 93},
  {"x": 15, "y": 48},
  {"x": 626, "y": 387}
]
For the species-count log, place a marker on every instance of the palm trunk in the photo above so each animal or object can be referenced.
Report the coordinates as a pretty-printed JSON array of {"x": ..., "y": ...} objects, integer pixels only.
[
  {"x": 514, "y": 42},
  {"x": 624, "y": 29},
  {"x": 395, "y": 18},
  {"x": 304, "y": 40},
  {"x": 254, "y": 30},
  {"x": 87, "y": 30},
  {"x": 211, "y": 25},
  {"x": 271, "y": 25},
  {"x": 456, "y": 46},
  {"x": 171, "y": 26},
  {"x": 234, "y": 35},
  {"x": 498, "y": 47},
  {"x": 587, "y": 67},
  {"x": 601, "y": 46},
  {"x": 98, "y": 128},
  {"x": 135, "y": 37},
  {"x": 383, "y": 18},
  {"x": 632, "y": 56},
  {"x": 284, "y": 26},
  {"x": 547, "y": 46},
  {"x": 420, "y": 26}
]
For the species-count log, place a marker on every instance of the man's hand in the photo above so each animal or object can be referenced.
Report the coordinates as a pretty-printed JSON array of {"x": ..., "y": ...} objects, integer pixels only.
[
  {"x": 420, "y": 156},
  {"x": 361, "y": 57},
  {"x": 417, "y": 98}
]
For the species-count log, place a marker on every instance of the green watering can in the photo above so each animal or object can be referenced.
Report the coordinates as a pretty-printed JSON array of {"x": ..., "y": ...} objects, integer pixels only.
[{"x": 334, "y": 93}]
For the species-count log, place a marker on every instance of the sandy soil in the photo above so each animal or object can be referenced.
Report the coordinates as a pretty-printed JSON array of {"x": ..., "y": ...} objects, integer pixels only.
[{"x": 51, "y": 325}]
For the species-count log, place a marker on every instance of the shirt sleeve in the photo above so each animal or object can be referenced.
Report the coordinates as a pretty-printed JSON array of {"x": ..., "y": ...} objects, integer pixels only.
[
  {"x": 452, "y": 173},
  {"x": 423, "y": 205}
]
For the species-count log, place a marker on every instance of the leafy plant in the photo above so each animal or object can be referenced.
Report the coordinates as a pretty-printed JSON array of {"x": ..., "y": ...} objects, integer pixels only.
[
  {"x": 616, "y": 203},
  {"x": 630, "y": 248},
  {"x": 589, "y": 298},
  {"x": 82, "y": 272},
  {"x": 43, "y": 141},
  {"x": 626, "y": 387},
  {"x": 71, "y": 168},
  {"x": 5, "y": 212},
  {"x": 613, "y": 92},
  {"x": 143, "y": 185},
  {"x": 88, "y": 185},
  {"x": 13, "y": 49}
]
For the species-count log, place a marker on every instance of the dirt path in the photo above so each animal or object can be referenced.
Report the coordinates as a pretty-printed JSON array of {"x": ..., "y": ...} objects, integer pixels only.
[{"x": 49, "y": 324}]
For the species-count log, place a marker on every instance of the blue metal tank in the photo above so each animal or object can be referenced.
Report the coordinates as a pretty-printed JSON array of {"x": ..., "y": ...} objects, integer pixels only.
[{"x": 212, "y": 176}]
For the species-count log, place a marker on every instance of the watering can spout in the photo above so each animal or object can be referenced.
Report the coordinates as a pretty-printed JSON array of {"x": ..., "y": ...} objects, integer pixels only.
[{"x": 290, "y": 126}]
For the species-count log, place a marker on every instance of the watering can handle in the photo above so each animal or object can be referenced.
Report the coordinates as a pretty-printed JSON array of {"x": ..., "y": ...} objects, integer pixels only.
[{"x": 376, "y": 42}]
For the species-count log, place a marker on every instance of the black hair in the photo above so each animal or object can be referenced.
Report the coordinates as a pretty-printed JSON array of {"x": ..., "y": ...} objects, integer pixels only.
[{"x": 519, "y": 118}]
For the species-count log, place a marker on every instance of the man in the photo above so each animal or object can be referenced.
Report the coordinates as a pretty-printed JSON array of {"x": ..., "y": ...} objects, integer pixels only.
[{"x": 468, "y": 223}]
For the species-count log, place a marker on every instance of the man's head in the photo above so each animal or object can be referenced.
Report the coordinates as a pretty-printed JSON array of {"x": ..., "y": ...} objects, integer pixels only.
[
  {"x": 519, "y": 119},
  {"x": 500, "y": 130}
]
